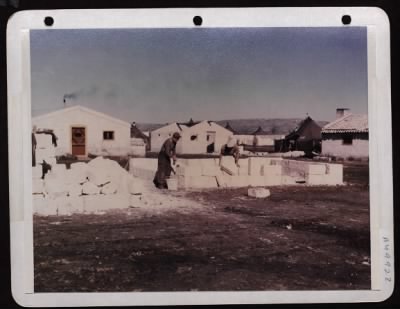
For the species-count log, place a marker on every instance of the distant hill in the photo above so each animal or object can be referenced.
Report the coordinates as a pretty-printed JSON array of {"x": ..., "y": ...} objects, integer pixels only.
[
  {"x": 248, "y": 126},
  {"x": 146, "y": 127}
]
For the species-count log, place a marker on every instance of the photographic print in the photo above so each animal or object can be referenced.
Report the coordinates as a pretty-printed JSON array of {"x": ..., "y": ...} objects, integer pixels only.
[{"x": 200, "y": 159}]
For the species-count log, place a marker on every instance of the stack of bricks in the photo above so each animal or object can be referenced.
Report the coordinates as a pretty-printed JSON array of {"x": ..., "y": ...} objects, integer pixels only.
[{"x": 86, "y": 187}]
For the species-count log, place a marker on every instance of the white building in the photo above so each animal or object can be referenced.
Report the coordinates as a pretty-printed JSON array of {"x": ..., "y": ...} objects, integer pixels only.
[
  {"x": 203, "y": 137},
  {"x": 82, "y": 131},
  {"x": 158, "y": 136},
  {"x": 196, "y": 137},
  {"x": 347, "y": 136}
]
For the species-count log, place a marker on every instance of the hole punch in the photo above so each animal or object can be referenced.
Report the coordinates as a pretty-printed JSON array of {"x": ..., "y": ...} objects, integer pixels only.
[
  {"x": 346, "y": 19},
  {"x": 197, "y": 20},
  {"x": 49, "y": 21}
]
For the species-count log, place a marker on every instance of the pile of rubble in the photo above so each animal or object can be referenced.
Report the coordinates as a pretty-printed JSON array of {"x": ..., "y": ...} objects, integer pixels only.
[
  {"x": 97, "y": 185},
  {"x": 94, "y": 187}
]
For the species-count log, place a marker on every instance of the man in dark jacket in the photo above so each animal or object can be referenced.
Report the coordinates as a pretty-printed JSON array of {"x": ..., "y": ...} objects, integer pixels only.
[{"x": 164, "y": 168}]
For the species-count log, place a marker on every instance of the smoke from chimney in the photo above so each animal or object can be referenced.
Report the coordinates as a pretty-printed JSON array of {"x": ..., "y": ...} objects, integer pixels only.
[
  {"x": 341, "y": 112},
  {"x": 80, "y": 93}
]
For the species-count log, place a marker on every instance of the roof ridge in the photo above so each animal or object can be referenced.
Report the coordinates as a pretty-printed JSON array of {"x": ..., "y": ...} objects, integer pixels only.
[
  {"x": 83, "y": 108},
  {"x": 327, "y": 126}
]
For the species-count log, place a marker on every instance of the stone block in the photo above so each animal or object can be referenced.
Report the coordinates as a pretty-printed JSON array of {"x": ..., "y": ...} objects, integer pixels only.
[
  {"x": 222, "y": 181},
  {"x": 136, "y": 187},
  {"x": 37, "y": 171},
  {"x": 136, "y": 201},
  {"x": 75, "y": 204},
  {"x": 99, "y": 177},
  {"x": 182, "y": 182},
  {"x": 61, "y": 168},
  {"x": 228, "y": 165},
  {"x": 110, "y": 188},
  {"x": 74, "y": 189},
  {"x": 317, "y": 169},
  {"x": 52, "y": 161},
  {"x": 273, "y": 180},
  {"x": 317, "y": 180},
  {"x": 258, "y": 192},
  {"x": 54, "y": 186},
  {"x": 75, "y": 176},
  {"x": 37, "y": 186},
  {"x": 275, "y": 170},
  {"x": 239, "y": 181},
  {"x": 288, "y": 180},
  {"x": 335, "y": 172},
  {"x": 200, "y": 182},
  {"x": 94, "y": 203},
  {"x": 44, "y": 154},
  {"x": 243, "y": 167},
  {"x": 90, "y": 188},
  {"x": 43, "y": 140},
  {"x": 257, "y": 181},
  {"x": 209, "y": 167},
  {"x": 41, "y": 206},
  {"x": 124, "y": 183},
  {"x": 255, "y": 166},
  {"x": 189, "y": 170},
  {"x": 79, "y": 166}
]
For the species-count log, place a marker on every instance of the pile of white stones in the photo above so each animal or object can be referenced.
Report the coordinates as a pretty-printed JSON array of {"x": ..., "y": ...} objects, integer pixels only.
[{"x": 85, "y": 187}]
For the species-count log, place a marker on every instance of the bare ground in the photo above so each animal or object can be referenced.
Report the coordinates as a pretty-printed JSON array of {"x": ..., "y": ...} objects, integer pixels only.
[{"x": 300, "y": 238}]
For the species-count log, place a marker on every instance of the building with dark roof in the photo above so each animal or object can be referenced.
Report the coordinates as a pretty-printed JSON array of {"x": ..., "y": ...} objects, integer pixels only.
[{"x": 306, "y": 136}]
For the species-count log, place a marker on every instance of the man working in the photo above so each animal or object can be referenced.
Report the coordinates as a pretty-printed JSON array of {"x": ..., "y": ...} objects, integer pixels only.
[
  {"x": 165, "y": 155},
  {"x": 230, "y": 149}
]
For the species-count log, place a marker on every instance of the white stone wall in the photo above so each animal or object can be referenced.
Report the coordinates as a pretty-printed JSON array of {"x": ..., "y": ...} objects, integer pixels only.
[
  {"x": 359, "y": 148},
  {"x": 62, "y": 123},
  {"x": 253, "y": 171}
]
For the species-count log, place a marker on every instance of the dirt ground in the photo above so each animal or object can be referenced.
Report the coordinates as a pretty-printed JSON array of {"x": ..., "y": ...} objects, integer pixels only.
[{"x": 299, "y": 238}]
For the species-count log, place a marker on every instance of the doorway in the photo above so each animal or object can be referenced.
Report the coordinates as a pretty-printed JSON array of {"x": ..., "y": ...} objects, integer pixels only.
[{"x": 78, "y": 141}]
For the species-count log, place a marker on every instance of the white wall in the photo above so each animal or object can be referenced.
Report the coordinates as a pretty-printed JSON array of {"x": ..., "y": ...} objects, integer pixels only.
[
  {"x": 159, "y": 136},
  {"x": 61, "y": 123},
  {"x": 263, "y": 140},
  {"x": 199, "y": 146},
  {"x": 358, "y": 149}
]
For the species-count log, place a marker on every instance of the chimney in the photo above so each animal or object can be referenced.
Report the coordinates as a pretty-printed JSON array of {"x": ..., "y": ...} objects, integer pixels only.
[{"x": 341, "y": 112}]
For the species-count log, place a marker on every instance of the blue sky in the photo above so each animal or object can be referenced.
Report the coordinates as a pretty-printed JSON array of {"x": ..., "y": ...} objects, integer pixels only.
[{"x": 165, "y": 75}]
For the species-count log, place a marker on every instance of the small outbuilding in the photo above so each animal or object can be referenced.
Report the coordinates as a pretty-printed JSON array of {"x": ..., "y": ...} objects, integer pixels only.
[
  {"x": 197, "y": 137},
  {"x": 82, "y": 131},
  {"x": 202, "y": 137},
  {"x": 346, "y": 137},
  {"x": 305, "y": 137},
  {"x": 158, "y": 136}
]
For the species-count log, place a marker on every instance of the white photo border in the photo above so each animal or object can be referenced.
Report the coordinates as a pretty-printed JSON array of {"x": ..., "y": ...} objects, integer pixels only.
[{"x": 19, "y": 129}]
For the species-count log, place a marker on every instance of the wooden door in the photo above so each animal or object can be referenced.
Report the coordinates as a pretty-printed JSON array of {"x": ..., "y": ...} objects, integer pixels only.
[{"x": 78, "y": 135}]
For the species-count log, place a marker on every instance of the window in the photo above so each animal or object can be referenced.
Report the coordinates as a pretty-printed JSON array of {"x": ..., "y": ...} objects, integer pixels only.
[
  {"x": 193, "y": 137},
  {"x": 208, "y": 137},
  {"x": 108, "y": 135},
  {"x": 347, "y": 140}
]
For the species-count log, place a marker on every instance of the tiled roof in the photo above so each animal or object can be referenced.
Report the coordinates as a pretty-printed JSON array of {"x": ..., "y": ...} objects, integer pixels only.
[{"x": 352, "y": 123}]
